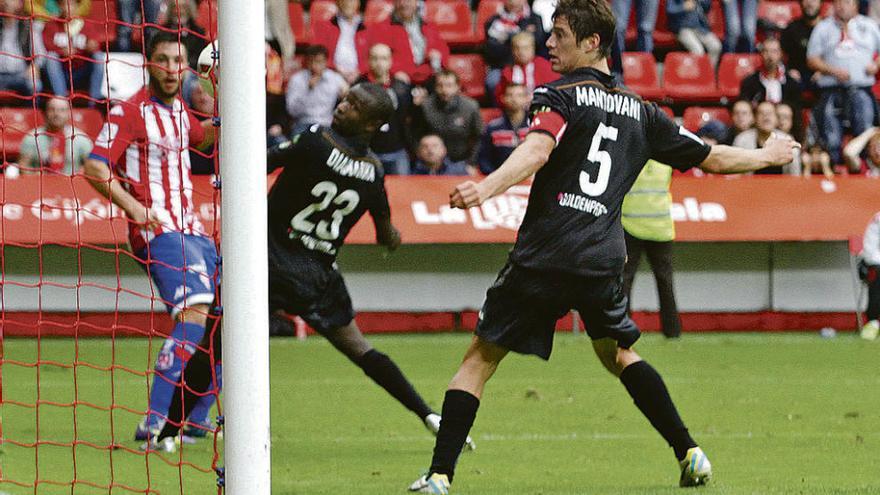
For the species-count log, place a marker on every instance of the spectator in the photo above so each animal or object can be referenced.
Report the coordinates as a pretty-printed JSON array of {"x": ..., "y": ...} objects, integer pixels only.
[
  {"x": 451, "y": 115},
  {"x": 770, "y": 83},
  {"x": 392, "y": 141},
  {"x": 844, "y": 58},
  {"x": 713, "y": 132},
  {"x": 432, "y": 158},
  {"x": 795, "y": 38},
  {"x": 868, "y": 142},
  {"x": 766, "y": 124},
  {"x": 815, "y": 159},
  {"x": 180, "y": 16},
  {"x": 687, "y": 19},
  {"x": 55, "y": 147},
  {"x": 646, "y": 19},
  {"x": 786, "y": 118},
  {"x": 526, "y": 69},
  {"x": 312, "y": 92},
  {"x": 646, "y": 215},
  {"x": 17, "y": 55},
  {"x": 279, "y": 34},
  {"x": 869, "y": 272},
  {"x": 740, "y": 25},
  {"x": 512, "y": 18},
  {"x": 345, "y": 38},
  {"x": 50, "y": 8},
  {"x": 418, "y": 49},
  {"x": 74, "y": 53},
  {"x": 504, "y": 134},
  {"x": 743, "y": 116},
  {"x": 134, "y": 13}
]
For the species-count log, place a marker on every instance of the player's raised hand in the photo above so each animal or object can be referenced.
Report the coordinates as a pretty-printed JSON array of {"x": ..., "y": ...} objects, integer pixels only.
[
  {"x": 780, "y": 149},
  {"x": 466, "y": 195}
]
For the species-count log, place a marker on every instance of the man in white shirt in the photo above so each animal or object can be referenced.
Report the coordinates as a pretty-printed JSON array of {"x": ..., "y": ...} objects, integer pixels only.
[{"x": 312, "y": 93}]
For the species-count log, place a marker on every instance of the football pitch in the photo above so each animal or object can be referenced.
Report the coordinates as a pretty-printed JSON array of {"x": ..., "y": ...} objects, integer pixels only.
[{"x": 776, "y": 413}]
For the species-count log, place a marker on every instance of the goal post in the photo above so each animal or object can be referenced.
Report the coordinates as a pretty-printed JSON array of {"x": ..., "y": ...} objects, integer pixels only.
[{"x": 245, "y": 327}]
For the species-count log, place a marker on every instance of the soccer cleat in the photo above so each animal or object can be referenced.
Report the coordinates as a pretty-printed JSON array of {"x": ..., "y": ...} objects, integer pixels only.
[
  {"x": 432, "y": 422},
  {"x": 870, "y": 330},
  {"x": 144, "y": 432},
  {"x": 696, "y": 470},
  {"x": 437, "y": 484},
  {"x": 167, "y": 445}
]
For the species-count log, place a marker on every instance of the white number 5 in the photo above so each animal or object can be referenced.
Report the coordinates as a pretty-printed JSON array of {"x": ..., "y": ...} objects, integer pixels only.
[{"x": 597, "y": 187}]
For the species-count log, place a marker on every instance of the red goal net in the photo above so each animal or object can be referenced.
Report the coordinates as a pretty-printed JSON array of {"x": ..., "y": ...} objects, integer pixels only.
[{"x": 102, "y": 303}]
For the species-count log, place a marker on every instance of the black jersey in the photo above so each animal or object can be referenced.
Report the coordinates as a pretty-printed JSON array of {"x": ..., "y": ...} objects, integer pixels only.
[
  {"x": 572, "y": 223},
  {"x": 328, "y": 183}
]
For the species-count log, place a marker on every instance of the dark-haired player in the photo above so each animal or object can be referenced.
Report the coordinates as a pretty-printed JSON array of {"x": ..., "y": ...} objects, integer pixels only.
[
  {"x": 141, "y": 162},
  {"x": 330, "y": 179},
  {"x": 588, "y": 140}
]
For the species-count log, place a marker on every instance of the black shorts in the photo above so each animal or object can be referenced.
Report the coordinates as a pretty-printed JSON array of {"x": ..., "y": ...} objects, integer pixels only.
[
  {"x": 301, "y": 285},
  {"x": 523, "y": 305}
]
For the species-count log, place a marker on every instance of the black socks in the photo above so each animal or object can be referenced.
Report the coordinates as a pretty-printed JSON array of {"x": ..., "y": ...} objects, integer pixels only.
[
  {"x": 652, "y": 398},
  {"x": 459, "y": 411},
  {"x": 382, "y": 370}
]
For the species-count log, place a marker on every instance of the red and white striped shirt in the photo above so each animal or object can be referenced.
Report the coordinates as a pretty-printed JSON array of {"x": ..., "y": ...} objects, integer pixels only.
[{"x": 146, "y": 143}]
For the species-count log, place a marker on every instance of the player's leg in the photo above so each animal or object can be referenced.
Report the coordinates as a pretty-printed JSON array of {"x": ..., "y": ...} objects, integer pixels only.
[
  {"x": 660, "y": 259},
  {"x": 349, "y": 340},
  {"x": 613, "y": 334}
]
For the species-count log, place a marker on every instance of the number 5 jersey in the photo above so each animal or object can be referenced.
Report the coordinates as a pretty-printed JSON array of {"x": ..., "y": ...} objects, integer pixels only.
[{"x": 604, "y": 135}]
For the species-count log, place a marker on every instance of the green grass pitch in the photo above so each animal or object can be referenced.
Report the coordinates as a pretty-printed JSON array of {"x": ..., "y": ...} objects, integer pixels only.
[{"x": 777, "y": 414}]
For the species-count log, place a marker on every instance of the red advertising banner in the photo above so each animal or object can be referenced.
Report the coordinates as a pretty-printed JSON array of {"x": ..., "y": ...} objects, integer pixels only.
[{"x": 67, "y": 210}]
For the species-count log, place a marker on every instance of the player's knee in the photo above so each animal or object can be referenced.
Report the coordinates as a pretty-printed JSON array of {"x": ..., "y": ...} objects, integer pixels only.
[{"x": 197, "y": 314}]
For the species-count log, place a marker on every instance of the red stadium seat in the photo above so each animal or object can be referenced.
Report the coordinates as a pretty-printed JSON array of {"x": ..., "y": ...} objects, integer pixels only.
[
  {"x": 689, "y": 78},
  {"x": 14, "y": 124},
  {"x": 103, "y": 13},
  {"x": 207, "y": 17},
  {"x": 471, "y": 72},
  {"x": 663, "y": 38},
  {"x": 377, "y": 11},
  {"x": 694, "y": 117},
  {"x": 778, "y": 14},
  {"x": 322, "y": 10},
  {"x": 733, "y": 68},
  {"x": 716, "y": 19},
  {"x": 490, "y": 114},
  {"x": 89, "y": 120},
  {"x": 640, "y": 75},
  {"x": 453, "y": 20},
  {"x": 298, "y": 22}
]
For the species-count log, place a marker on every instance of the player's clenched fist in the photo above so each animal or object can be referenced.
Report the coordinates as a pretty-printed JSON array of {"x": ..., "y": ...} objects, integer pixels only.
[
  {"x": 780, "y": 149},
  {"x": 466, "y": 195}
]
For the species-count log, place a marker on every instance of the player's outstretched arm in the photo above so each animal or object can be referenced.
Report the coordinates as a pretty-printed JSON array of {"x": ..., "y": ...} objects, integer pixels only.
[
  {"x": 525, "y": 160},
  {"x": 777, "y": 151},
  {"x": 99, "y": 176}
]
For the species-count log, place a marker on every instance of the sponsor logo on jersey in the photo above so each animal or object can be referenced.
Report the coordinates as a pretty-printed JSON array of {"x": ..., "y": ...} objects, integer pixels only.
[
  {"x": 609, "y": 102},
  {"x": 582, "y": 203},
  {"x": 314, "y": 244},
  {"x": 347, "y": 166}
]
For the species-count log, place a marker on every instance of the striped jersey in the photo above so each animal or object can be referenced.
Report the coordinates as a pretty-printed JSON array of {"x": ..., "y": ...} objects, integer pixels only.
[{"x": 146, "y": 143}]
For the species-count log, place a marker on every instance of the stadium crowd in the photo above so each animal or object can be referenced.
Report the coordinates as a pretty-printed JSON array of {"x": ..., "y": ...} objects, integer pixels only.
[{"x": 461, "y": 74}]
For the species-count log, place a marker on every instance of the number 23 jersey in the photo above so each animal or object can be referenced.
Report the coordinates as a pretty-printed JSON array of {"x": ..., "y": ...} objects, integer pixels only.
[
  {"x": 604, "y": 135},
  {"x": 327, "y": 184}
]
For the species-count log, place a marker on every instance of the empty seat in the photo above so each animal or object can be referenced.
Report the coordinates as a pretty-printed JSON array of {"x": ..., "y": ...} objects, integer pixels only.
[
  {"x": 471, "y": 72},
  {"x": 485, "y": 10},
  {"x": 733, "y": 68},
  {"x": 377, "y": 11},
  {"x": 207, "y": 17},
  {"x": 778, "y": 14},
  {"x": 640, "y": 75},
  {"x": 689, "y": 78},
  {"x": 322, "y": 10},
  {"x": 695, "y": 117},
  {"x": 453, "y": 19}
]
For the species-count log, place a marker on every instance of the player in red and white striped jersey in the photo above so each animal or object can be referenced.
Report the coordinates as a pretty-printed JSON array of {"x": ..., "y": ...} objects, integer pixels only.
[{"x": 141, "y": 162}]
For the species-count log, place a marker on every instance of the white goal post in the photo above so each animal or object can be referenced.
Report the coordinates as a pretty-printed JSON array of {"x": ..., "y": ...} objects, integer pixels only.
[{"x": 242, "y": 99}]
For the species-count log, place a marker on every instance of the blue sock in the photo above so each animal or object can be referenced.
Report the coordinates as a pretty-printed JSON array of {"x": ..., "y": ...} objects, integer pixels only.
[{"x": 169, "y": 364}]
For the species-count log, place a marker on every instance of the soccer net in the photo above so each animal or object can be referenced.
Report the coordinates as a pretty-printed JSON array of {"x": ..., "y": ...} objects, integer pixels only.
[{"x": 87, "y": 335}]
